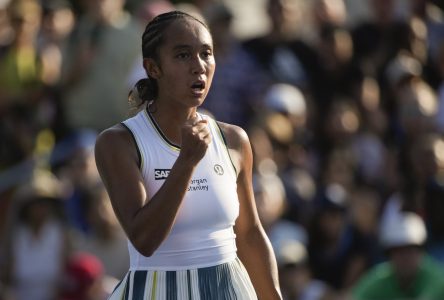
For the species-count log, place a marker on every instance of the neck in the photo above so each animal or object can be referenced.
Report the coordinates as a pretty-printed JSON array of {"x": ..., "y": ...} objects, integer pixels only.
[
  {"x": 171, "y": 119},
  {"x": 407, "y": 282}
]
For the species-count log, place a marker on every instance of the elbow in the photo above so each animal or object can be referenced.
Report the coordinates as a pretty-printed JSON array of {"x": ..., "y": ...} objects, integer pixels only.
[
  {"x": 143, "y": 247},
  {"x": 146, "y": 252}
]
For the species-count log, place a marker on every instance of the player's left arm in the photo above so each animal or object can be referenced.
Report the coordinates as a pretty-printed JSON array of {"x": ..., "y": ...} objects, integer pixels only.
[{"x": 253, "y": 246}]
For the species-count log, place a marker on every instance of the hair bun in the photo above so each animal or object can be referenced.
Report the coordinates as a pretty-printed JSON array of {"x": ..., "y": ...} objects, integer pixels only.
[{"x": 139, "y": 93}]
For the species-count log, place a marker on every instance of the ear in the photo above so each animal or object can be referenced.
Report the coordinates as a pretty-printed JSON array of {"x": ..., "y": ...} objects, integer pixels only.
[{"x": 151, "y": 68}]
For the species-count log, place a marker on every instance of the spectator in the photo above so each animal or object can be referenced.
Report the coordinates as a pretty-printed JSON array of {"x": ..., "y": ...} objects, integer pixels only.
[
  {"x": 238, "y": 84},
  {"x": 6, "y": 31},
  {"x": 38, "y": 243},
  {"x": 282, "y": 116},
  {"x": 20, "y": 65},
  {"x": 270, "y": 198},
  {"x": 408, "y": 273},
  {"x": 339, "y": 250},
  {"x": 104, "y": 238},
  {"x": 84, "y": 279},
  {"x": 105, "y": 42},
  {"x": 440, "y": 114},
  {"x": 145, "y": 11},
  {"x": 295, "y": 275},
  {"x": 72, "y": 161},
  {"x": 57, "y": 23},
  {"x": 283, "y": 56},
  {"x": 433, "y": 18}
]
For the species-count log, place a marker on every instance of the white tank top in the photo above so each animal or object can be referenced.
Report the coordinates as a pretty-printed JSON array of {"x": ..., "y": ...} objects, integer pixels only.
[{"x": 202, "y": 234}]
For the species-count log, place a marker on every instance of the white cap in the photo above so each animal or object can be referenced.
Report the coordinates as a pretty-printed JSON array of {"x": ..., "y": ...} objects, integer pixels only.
[
  {"x": 286, "y": 98},
  {"x": 406, "y": 229},
  {"x": 289, "y": 241},
  {"x": 287, "y": 230},
  {"x": 291, "y": 252},
  {"x": 4, "y": 3},
  {"x": 402, "y": 66}
]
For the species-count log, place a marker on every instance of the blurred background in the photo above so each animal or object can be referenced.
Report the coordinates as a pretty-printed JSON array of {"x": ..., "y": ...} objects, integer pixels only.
[{"x": 343, "y": 102}]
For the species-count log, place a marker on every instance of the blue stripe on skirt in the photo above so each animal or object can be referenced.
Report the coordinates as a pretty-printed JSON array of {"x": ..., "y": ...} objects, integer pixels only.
[{"x": 228, "y": 281}]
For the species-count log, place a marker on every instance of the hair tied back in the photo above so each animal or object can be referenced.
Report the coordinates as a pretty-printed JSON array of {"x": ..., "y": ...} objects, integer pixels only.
[{"x": 139, "y": 93}]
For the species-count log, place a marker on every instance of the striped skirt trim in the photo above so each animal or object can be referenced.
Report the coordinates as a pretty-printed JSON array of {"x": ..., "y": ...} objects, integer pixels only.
[{"x": 228, "y": 281}]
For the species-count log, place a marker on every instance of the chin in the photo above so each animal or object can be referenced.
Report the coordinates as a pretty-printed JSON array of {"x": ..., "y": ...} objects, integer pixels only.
[{"x": 198, "y": 100}]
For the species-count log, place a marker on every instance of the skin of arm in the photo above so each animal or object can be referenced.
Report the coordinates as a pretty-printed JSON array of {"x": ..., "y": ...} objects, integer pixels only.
[
  {"x": 253, "y": 246},
  {"x": 147, "y": 222}
]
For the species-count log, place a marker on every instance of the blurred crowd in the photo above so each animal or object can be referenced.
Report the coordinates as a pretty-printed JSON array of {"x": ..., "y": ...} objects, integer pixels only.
[{"x": 346, "y": 121}]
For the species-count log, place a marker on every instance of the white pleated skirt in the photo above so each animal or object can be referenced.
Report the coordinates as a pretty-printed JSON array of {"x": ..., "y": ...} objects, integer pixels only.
[{"x": 228, "y": 281}]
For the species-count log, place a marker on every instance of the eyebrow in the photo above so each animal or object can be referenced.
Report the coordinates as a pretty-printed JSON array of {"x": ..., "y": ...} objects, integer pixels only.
[{"x": 180, "y": 47}]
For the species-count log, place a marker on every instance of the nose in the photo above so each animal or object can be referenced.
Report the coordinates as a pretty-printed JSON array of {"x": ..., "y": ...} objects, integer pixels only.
[{"x": 198, "y": 66}]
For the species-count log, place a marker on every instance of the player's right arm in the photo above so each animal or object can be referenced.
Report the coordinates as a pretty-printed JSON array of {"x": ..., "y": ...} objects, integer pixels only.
[{"x": 146, "y": 222}]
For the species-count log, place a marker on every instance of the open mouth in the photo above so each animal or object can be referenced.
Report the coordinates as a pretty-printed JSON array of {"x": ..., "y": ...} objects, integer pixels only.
[{"x": 198, "y": 86}]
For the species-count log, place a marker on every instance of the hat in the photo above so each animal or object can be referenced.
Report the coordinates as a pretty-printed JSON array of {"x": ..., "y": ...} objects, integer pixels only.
[
  {"x": 4, "y": 3},
  {"x": 287, "y": 230},
  {"x": 285, "y": 98},
  {"x": 147, "y": 10},
  {"x": 66, "y": 148},
  {"x": 401, "y": 67},
  {"x": 217, "y": 12},
  {"x": 289, "y": 242},
  {"x": 405, "y": 229},
  {"x": 24, "y": 8},
  {"x": 333, "y": 198},
  {"x": 42, "y": 185},
  {"x": 53, "y": 5},
  {"x": 82, "y": 270},
  {"x": 291, "y": 252}
]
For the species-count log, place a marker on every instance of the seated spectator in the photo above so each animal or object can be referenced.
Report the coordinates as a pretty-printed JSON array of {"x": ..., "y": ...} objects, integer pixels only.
[
  {"x": 105, "y": 238},
  {"x": 20, "y": 65},
  {"x": 238, "y": 83},
  {"x": 72, "y": 161},
  {"x": 409, "y": 273},
  {"x": 105, "y": 41},
  {"x": 84, "y": 279},
  {"x": 37, "y": 244},
  {"x": 296, "y": 280},
  {"x": 336, "y": 248}
]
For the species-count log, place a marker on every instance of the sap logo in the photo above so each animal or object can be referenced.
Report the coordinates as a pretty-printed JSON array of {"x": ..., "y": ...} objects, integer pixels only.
[{"x": 161, "y": 173}]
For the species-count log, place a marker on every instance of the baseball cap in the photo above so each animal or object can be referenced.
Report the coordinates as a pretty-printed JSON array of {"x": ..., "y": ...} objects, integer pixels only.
[
  {"x": 405, "y": 229},
  {"x": 285, "y": 98},
  {"x": 401, "y": 67}
]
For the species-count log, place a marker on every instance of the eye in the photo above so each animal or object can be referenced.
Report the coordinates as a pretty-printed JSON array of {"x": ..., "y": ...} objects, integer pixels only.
[
  {"x": 183, "y": 55},
  {"x": 207, "y": 53}
]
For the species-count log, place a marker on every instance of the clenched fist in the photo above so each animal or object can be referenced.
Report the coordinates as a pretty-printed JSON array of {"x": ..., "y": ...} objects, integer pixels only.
[{"x": 195, "y": 139}]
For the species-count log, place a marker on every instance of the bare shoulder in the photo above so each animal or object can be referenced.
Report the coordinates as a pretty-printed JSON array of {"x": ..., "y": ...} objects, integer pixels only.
[
  {"x": 113, "y": 136},
  {"x": 238, "y": 145},
  {"x": 116, "y": 140},
  {"x": 236, "y": 137}
]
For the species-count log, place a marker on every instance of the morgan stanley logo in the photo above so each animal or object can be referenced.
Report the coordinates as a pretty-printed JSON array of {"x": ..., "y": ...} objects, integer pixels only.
[{"x": 160, "y": 174}]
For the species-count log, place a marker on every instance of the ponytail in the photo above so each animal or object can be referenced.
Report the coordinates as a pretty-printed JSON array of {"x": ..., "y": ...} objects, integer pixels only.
[{"x": 144, "y": 91}]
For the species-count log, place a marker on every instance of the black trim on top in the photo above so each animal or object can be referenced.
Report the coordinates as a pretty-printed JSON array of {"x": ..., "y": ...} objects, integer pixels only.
[
  {"x": 226, "y": 145},
  {"x": 139, "y": 155},
  {"x": 159, "y": 130}
]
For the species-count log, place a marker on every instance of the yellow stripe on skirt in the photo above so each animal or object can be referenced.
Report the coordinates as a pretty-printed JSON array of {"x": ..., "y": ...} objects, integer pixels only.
[{"x": 228, "y": 281}]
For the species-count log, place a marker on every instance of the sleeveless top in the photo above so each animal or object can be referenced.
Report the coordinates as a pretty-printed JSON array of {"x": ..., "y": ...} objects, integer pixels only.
[{"x": 202, "y": 234}]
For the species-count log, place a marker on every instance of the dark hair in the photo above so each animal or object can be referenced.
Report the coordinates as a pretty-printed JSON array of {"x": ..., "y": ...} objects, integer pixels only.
[{"x": 152, "y": 39}]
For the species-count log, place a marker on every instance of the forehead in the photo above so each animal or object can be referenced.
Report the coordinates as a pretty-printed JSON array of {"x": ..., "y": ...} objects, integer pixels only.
[{"x": 187, "y": 32}]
